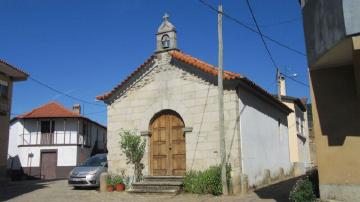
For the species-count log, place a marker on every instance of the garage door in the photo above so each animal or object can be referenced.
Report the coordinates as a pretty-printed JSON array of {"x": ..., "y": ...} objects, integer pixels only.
[{"x": 48, "y": 164}]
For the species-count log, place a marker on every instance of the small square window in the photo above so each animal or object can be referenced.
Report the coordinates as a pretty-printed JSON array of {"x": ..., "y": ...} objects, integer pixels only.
[{"x": 4, "y": 91}]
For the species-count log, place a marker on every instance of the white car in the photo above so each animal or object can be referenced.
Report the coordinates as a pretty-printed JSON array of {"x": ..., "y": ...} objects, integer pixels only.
[{"x": 88, "y": 173}]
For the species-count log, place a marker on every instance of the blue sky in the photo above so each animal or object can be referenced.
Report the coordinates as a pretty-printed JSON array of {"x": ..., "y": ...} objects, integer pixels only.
[{"x": 86, "y": 47}]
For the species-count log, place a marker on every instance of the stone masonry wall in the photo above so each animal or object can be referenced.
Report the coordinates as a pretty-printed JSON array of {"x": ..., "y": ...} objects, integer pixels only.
[{"x": 165, "y": 86}]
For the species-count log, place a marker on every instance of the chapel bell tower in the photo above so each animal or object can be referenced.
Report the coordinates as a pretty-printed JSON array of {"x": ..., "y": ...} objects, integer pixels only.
[{"x": 166, "y": 35}]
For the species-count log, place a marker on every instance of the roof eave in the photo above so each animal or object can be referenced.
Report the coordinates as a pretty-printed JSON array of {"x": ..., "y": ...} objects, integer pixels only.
[
  {"x": 265, "y": 95},
  {"x": 13, "y": 72}
]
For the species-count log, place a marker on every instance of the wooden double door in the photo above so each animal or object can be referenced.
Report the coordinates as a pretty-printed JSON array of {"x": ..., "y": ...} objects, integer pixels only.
[{"x": 167, "y": 146}]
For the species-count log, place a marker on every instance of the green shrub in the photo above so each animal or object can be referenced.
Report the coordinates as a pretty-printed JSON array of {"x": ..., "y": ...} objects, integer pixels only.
[
  {"x": 117, "y": 180},
  {"x": 302, "y": 191},
  {"x": 133, "y": 146},
  {"x": 207, "y": 181},
  {"x": 109, "y": 181}
]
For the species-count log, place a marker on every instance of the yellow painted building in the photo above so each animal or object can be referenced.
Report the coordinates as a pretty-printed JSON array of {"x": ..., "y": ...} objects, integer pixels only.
[
  {"x": 332, "y": 35},
  {"x": 8, "y": 75}
]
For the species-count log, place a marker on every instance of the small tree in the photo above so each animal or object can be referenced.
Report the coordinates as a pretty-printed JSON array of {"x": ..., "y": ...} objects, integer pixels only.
[{"x": 133, "y": 147}]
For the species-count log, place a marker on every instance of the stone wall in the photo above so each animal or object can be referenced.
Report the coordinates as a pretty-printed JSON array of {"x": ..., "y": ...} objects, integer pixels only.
[{"x": 165, "y": 86}]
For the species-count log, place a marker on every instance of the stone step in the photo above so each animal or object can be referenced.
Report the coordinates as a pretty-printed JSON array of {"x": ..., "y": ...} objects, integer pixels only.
[
  {"x": 152, "y": 191},
  {"x": 146, "y": 188},
  {"x": 158, "y": 184},
  {"x": 164, "y": 178},
  {"x": 156, "y": 187}
]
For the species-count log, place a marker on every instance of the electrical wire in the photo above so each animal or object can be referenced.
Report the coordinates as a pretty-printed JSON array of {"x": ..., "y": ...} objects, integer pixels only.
[
  {"x": 252, "y": 29},
  {"x": 295, "y": 80},
  {"x": 261, "y": 35},
  {"x": 62, "y": 93}
]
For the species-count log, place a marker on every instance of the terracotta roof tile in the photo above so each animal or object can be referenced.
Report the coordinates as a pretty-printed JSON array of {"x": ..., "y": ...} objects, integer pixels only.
[
  {"x": 50, "y": 110},
  {"x": 53, "y": 110},
  {"x": 203, "y": 66}
]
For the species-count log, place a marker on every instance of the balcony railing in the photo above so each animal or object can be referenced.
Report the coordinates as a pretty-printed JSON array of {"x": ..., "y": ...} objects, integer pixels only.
[
  {"x": 56, "y": 138},
  {"x": 47, "y": 138}
]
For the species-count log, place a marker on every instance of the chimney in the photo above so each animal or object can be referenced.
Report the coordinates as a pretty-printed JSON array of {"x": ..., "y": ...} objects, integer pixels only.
[
  {"x": 77, "y": 109},
  {"x": 282, "y": 86}
]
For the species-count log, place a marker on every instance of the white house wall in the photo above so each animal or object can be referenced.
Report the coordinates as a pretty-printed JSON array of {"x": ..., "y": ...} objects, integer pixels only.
[
  {"x": 66, "y": 155},
  {"x": 69, "y": 152},
  {"x": 264, "y": 143},
  {"x": 299, "y": 150},
  {"x": 31, "y": 130},
  {"x": 14, "y": 137},
  {"x": 303, "y": 146}
]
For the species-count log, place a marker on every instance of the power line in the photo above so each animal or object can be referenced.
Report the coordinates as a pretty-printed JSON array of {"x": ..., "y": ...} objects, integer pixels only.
[
  {"x": 275, "y": 23},
  {"x": 252, "y": 29},
  {"x": 62, "y": 93},
  {"x": 267, "y": 48},
  {"x": 281, "y": 23},
  {"x": 297, "y": 81},
  {"x": 261, "y": 35},
  {"x": 97, "y": 112}
]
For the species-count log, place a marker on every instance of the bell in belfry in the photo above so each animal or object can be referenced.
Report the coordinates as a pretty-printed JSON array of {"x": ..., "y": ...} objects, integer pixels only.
[{"x": 165, "y": 41}]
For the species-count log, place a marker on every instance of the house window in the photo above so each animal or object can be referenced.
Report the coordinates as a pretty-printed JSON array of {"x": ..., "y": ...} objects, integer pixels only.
[
  {"x": 47, "y": 132},
  {"x": 302, "y": 127},
  {"x": 4, "y": 103},
  {"x": 4, "y": 89},
  {"x": 297, "y": 126},
  {"x": 86, "y": 134},
  {"x": 47, "y": 126}
]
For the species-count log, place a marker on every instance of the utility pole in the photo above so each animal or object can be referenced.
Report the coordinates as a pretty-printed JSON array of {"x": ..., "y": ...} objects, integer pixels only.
[
  {"x": 221, "y": 105},
  {"x": 278, "y": 80}
]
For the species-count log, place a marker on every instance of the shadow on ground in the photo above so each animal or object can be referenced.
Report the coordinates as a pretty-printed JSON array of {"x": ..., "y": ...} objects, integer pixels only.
[
  {"x": 14, "y": 189},
  {"x": 279, "y": 191}
]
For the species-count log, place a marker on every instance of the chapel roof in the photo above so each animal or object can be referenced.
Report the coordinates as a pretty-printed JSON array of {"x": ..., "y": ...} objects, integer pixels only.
[{"x": 203, "y": 66}]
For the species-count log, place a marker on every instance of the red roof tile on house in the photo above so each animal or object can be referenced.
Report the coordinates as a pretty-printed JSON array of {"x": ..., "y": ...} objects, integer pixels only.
[
  {"x": 50, "y": 110},
  {"x": 53, "y": 110}
]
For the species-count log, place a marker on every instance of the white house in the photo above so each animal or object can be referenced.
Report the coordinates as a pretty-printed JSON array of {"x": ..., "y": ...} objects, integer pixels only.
[
  {"x": 172, "y": 100},
  {"x": 298, "y": 131},
  {"x": 50, "y": 140}
]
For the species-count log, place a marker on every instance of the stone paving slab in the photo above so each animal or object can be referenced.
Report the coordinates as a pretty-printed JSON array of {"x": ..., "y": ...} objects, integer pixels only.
[{"x": 59, "y": 191}]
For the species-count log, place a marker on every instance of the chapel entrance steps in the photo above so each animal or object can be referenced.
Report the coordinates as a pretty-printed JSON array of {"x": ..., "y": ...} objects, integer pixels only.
[{"x": 158, "y": 184}]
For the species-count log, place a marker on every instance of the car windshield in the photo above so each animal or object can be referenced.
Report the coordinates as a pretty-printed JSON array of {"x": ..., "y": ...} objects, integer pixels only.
[{"x": 95, "y": 161}]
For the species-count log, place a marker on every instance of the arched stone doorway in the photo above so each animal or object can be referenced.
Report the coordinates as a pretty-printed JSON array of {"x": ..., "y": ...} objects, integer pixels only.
[{"x": 167, "y": 144}]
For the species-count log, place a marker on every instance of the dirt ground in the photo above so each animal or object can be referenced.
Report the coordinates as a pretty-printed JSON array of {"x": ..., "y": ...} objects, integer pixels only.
[{"x": 58, "y": 190}]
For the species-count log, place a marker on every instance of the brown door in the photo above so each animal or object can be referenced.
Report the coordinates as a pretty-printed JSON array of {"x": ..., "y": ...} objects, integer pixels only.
[
  {"x": 48, "y": 164},
  {"x": 167, "y": 146}
]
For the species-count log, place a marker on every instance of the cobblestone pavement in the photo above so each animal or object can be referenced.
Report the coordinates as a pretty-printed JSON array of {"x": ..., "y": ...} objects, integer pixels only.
[{"x": 58, "y": 190}]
